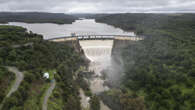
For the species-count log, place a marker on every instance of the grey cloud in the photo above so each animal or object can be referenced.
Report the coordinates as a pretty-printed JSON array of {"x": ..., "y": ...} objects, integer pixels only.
[{"x": 98, "y": 6}]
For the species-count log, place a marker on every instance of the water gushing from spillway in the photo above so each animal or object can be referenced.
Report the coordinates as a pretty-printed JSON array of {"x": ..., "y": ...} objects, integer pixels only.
[{"x": 99, "y": 54}]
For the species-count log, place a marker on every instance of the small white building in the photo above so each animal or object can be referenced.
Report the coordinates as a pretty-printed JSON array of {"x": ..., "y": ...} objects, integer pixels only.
[{"x": 46, "y": 75}]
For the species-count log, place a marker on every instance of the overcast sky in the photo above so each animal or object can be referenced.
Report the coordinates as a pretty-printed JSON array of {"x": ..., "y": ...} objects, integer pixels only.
[{"x": 98, "y": 6}]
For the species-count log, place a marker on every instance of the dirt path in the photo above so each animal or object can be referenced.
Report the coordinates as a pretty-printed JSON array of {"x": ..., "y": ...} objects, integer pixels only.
[
  {"x": 19, "y": 77},
  {"x": 48, "y": 94}
]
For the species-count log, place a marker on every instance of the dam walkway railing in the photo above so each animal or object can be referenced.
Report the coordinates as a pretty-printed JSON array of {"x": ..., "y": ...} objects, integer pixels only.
[{"x": 96, "y": 37}]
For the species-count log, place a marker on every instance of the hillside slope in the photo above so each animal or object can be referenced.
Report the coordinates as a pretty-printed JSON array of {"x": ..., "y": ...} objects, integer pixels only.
[{"x": 60, "y": 60}]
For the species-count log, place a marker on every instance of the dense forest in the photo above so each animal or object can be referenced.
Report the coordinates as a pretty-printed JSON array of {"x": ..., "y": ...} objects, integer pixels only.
[
  {"x": 159, "y": 70},
  {"x": 89, "y": 16},
  {"x": 33, "y": 60},
  {"x": 36, "y": 17}
]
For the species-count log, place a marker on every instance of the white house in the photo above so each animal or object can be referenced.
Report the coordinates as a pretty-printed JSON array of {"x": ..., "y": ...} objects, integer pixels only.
[{"x": 46, "y": 75}]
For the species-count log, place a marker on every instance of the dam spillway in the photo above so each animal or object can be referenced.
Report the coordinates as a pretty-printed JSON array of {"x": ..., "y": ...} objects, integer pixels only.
[
  {"x": 99, "y": 54},
  {"x": 104, "y": 67}
]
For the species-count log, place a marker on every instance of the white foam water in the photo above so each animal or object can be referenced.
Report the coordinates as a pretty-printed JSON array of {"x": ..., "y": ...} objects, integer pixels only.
[{"x": 99, "y": 53}]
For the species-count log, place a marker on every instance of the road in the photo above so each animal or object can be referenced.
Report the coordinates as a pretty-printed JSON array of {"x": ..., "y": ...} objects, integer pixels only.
[
  {"x": 48, "y": 94},
  {"x": 19, "y": 78}
]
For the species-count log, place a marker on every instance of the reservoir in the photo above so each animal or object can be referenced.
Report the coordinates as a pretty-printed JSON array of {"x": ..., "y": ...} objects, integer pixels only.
[{"x": 80, "y": 27}]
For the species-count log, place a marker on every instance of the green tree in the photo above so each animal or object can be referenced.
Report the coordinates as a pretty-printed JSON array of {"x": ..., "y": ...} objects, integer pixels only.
[{"x": 94, "y": 103}]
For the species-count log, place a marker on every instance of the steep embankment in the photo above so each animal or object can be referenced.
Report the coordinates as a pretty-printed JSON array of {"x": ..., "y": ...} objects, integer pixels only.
[
  {"x": 117, "y": 68},
  {"x": 118, "y": 45}
]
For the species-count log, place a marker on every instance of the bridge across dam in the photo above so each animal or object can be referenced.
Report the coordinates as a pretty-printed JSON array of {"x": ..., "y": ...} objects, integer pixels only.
[{"x": 96, "y": 37}]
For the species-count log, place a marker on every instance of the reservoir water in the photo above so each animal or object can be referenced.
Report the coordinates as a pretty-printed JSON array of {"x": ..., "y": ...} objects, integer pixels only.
[{"x": 80, "y": 27}]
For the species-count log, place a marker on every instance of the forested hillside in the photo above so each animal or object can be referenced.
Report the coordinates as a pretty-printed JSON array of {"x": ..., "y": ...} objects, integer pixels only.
[
  {"x": 36, "y": 17},
  {"x": 160, "y": 70},
  {"x": 40, "y": 56},
  {"x": 90, "y": 16}
]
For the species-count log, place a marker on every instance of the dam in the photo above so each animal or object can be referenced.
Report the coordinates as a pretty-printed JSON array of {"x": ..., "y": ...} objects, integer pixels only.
[{"x": 99, "y": 52}]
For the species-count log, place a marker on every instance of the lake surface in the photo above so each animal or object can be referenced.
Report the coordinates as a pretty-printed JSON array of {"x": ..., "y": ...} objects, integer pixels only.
[{"x": 80, "y": 27}]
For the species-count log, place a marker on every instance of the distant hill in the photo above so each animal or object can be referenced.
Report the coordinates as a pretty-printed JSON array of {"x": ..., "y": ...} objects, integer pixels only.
[
  {"x": 141, "y": 21},
  {"x": 36, "y": 17},
  {"x": 89, "y": 16}
]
